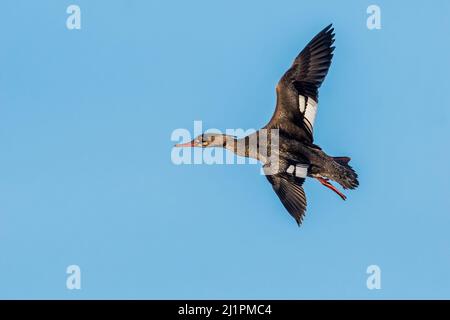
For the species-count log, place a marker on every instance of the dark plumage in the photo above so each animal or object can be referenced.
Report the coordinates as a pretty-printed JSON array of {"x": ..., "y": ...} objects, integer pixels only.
[{"x": 297, "y": 157}]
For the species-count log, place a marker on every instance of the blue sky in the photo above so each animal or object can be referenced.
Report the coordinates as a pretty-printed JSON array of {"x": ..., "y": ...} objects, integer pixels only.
[{"x": 86, "y": 175}]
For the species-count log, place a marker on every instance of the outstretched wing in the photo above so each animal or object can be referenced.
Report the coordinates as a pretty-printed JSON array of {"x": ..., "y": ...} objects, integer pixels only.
[
  {"x": 297, "y": 91},
  {"x": 288, "y": 187}
]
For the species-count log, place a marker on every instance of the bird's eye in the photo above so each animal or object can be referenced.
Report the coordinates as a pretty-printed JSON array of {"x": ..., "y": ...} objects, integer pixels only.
[{"x": 212, "y": 138}]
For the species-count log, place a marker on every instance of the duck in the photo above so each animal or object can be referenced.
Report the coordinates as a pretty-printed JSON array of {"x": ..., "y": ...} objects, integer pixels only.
[{"x": 285, "y": 145}]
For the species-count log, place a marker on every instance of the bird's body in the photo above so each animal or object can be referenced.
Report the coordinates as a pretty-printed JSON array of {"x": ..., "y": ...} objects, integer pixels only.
[{"x": 285, "y": 146}]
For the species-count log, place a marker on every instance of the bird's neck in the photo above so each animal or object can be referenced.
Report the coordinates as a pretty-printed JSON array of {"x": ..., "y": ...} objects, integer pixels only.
[{"x": 237, "y": 146}]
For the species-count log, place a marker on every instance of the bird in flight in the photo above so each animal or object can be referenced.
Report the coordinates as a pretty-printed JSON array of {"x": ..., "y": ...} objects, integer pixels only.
[{"x": 293, "y": 156}]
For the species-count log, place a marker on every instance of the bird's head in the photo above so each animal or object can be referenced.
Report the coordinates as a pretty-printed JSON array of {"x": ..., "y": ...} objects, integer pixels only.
[{"x": 206, "y": 140}]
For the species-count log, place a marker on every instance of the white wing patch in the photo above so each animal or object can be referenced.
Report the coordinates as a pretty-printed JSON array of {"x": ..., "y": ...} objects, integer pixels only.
[
  {"x": 291, "y": 169},
  {"x": 309, "y": 110},
  {"x": 301, "y": 170}
]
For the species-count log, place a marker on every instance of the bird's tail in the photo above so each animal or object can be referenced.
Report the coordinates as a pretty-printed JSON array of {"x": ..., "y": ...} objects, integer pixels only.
[{"x": 343, "y": 173}]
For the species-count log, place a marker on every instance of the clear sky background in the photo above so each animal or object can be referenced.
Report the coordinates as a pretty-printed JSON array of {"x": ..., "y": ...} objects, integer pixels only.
[{"x": 86, "y": 175}]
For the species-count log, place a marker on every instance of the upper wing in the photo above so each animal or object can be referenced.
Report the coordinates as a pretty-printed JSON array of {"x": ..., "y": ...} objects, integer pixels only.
[
  {"x": 297, "y": 91},
  {"x": 288, "y": 187}
]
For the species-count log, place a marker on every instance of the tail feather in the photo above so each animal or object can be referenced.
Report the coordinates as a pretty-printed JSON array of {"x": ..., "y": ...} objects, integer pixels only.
[
  {"x": 344, "y": 174},
  {"x": 342, "y": 160}
]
